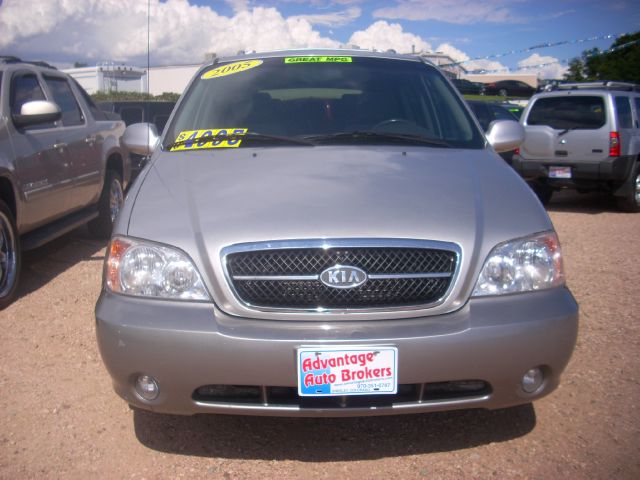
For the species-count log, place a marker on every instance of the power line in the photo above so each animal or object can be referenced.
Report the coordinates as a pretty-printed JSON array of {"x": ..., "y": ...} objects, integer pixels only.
[
  {"x": 538, "y": 47},
  {"x": 562, "y": 62}
]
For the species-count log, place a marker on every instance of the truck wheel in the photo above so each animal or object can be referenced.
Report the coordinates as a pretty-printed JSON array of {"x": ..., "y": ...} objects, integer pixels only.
[
  {"x": 543, "y": 191},
  {"x": 9, "y": 256},
  {"x": 631, "y": 201},
  {"x": 109, "y": 206}
]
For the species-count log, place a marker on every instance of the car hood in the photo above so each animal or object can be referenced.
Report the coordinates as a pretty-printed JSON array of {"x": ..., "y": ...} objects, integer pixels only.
[{"x": 203, "y": 201}]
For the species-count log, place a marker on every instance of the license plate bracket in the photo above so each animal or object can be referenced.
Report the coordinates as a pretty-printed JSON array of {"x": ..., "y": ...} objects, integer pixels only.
[
  {"x": 559, "y": 172},
  {"x": 354, "y": 370}
]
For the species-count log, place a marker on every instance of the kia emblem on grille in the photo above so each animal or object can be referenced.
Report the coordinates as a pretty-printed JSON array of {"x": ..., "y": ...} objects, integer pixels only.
[{"x": 343, "y": 276}]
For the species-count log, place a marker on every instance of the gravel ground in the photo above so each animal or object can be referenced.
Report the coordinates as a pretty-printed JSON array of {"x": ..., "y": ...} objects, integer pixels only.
[{"x": 60, "y": 418}]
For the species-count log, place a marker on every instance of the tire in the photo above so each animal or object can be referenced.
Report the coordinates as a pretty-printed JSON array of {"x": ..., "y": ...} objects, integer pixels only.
[
  {"x": 631, "y": 201},
  {"x": 109, "y": 206},
  {"x": 10, "y": 256},
  {"x": 502, "y": 92},
  {"x": 543, "y": 191}
]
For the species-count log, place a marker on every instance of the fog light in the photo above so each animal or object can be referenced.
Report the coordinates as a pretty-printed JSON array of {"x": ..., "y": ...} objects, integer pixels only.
[
  {"x": 532, "y": 380},
  {"x": 147, "y": 387}
]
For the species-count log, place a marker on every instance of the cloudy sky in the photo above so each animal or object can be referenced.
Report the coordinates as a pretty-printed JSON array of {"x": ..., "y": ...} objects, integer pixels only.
[{"x": 182, "y": 31}]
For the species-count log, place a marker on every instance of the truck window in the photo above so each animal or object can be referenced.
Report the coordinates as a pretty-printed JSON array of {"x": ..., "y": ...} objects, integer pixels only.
[
  {"x": 63, "y": 96},
  {"x": 25, "y": 89}
]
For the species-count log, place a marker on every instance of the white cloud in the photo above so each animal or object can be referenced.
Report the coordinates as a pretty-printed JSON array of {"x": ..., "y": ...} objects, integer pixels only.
[
  {"x": 450, "y": 11},
  {"x": 544, "y": 67},
  {"x": 97, "y": 30},
  {"x": 238, "y": 5},
  {"x": 383, "y": 36},
  {"x": 460, "y": 56},
  {"x": 92, "y": 31},
  {"x": 335, "y": 19}
]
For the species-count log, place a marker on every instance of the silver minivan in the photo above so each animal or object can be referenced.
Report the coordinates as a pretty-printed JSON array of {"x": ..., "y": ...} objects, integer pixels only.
[
  {"x": 330, "y": 233},
  {"x": 584, "y": 136}
]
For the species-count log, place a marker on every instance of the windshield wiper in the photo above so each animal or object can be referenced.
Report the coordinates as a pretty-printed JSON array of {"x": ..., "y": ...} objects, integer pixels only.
[
  {"x": 566, "y": 130},
  {"x": 242, "y": 136},
  {"x": 367, "y": 135}
]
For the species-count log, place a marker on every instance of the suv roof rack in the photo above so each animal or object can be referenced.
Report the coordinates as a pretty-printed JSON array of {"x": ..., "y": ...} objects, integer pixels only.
[
  {"x": 601, "y": 85},
  {"x": 9, "y": 59},
  {"x": 12, "y": 59}
]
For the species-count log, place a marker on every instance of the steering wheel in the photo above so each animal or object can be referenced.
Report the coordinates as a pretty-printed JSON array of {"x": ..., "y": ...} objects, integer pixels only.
[{"x": 393, "y": 122}]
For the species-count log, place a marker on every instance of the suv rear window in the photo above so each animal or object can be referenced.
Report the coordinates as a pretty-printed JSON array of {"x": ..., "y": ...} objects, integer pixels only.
[{"x": 573, "y": 112}]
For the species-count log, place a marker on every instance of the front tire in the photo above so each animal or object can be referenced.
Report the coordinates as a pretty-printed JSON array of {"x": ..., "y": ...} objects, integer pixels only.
[
  {"x": 109, "y": 206},
  {"x": 631, "y": 201},
  {"x": 10, "y": 256}
]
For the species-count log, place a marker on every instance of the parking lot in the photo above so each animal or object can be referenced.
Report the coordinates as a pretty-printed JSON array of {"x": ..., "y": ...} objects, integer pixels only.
[{"x": 60, "y": 418}]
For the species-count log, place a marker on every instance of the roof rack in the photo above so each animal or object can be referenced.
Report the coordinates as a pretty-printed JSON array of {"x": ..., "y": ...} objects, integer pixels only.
[
  {"x": 12, "y": 59},
  {"x": 9, "y": 59},
  {"x": 602, "y": 85}
]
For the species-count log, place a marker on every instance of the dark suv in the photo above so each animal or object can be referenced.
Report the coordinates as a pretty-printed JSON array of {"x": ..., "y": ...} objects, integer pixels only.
[{"x": 61, "y": 163}]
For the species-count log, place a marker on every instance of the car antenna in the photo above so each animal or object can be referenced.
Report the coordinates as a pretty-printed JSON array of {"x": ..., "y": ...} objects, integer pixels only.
[{"x": 147, "y": 107}]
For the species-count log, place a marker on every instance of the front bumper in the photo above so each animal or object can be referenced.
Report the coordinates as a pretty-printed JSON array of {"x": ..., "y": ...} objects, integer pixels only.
[{"x": 185, "y": 346}]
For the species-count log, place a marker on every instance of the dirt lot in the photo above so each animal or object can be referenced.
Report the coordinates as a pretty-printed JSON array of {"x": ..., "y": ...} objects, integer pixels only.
[{"x": 60, "y": 418}]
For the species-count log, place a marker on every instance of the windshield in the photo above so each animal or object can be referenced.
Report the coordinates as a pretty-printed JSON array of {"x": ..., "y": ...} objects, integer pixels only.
[
  {"x": 321, "y": 99},
  {"x": 568, "y": 112}
]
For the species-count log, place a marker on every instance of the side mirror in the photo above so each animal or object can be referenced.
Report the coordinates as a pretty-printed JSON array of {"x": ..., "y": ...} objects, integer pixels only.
[
  {"x": 141, "y": 138},
  {"x": 505, "y": 135},
  {"x": 37, "y": 112}
]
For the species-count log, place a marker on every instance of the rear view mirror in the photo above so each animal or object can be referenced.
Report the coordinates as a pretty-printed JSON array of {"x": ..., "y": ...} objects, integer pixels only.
[
  {"x": 505, "y": 135},
  {"x": 141, "y": 138}
]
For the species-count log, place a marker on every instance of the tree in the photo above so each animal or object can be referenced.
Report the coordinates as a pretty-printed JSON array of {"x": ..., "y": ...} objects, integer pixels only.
[
  {"x": 137, "y": 96},
  {"x": 576, "y": 71},
  {"x": 622, "y": 65},
  {"x": 80, "y": 64}
]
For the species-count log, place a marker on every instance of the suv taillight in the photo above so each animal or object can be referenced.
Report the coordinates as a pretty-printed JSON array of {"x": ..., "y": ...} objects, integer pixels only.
[{"x": 614, "y": 144}]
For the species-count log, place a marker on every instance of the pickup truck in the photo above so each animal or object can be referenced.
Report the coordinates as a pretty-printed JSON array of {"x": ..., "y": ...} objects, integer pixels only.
[{"x": 61, "y": 163}]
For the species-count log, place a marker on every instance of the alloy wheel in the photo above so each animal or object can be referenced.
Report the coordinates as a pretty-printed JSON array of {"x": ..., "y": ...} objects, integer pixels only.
[
  {"x": 8, "y": 257},
  {"x": 116, "y": 199}
]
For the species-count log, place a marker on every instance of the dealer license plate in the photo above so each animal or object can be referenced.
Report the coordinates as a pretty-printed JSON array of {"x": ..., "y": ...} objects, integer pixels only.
[
  {"x": 559, "y": 172},
  {"x": 355, "y": 370}
]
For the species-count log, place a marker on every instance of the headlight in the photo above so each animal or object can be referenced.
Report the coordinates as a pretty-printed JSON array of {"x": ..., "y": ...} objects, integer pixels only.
[
  {"x": 522, "y": 265},
  {"x": 142, "y": 268}
]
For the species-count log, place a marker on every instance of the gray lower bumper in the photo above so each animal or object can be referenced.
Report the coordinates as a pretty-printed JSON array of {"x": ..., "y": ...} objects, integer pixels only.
[
  {"x": 187, "y": 345},
  {"x": 610, "y": 169}
]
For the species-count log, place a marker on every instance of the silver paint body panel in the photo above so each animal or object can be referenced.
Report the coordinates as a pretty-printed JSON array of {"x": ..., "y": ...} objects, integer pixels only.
[{"x": 206, "y": 201}]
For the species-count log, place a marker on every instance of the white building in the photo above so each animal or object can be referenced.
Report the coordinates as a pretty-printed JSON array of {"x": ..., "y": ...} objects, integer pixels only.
[
  {"x": 109, "y": 77},
  {"x": 445, "y": 62},
  {"x": 171, "y": 78},
  {"x": 120, "y": 78},
  {"x": 529, "y": 78}
]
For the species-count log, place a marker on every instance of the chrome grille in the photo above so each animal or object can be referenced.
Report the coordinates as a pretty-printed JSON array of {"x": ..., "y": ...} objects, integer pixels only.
[
  {"x": 314, "y": 260},
  {"x": 287, "y": 276}
]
